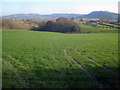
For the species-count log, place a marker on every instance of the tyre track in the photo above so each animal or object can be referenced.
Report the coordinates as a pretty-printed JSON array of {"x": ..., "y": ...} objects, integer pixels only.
[
  {"x": 23, "y": 66},
  {"x": 16, "y": 72},
  {"x": 90, "y": 74},
  {"x": 17, "y": 61},
  {"x": 108, "y": 68}
]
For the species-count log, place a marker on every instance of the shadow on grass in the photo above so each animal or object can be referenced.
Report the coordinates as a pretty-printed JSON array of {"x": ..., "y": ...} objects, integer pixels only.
[{"x": 63, "y": 78}]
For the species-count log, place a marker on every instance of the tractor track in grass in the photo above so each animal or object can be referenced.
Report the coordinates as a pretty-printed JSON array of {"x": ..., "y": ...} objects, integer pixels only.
[
  {"x": 108, "y": 68},
  {"x": 27, "y": 85},
  {"x": 23, "y": 66},
  {"x": 89, "y": 73},
  {"x": 17, "y": 61},
  {"x": 20, "y": 64}
]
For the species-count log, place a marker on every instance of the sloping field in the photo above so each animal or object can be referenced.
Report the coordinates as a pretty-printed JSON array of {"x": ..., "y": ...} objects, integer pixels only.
[
  {"x": 89, "y": 29},
  {"x": 55, "y": 60}
]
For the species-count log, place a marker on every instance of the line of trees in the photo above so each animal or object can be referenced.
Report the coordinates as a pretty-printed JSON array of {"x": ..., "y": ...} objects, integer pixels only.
[
  {"x": 59, "y": 25},
  {"x": 17, "y": 25}
]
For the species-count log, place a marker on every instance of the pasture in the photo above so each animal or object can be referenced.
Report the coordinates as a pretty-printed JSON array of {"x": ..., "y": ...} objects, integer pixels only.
[
  {"x": 33, "y": 59},
  {"x": 89, "y": 29}
]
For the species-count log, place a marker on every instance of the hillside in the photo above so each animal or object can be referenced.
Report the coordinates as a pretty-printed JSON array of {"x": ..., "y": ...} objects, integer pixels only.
[
  {"x": 100, "y": 14},
  {"x": 38, "y": 17}
]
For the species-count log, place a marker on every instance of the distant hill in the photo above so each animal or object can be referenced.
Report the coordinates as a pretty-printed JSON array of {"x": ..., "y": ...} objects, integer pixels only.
[
  {"x": 100, "y": 14},
  {"x": 39, "y": 17},
  {"x": 25, "y": 16}
]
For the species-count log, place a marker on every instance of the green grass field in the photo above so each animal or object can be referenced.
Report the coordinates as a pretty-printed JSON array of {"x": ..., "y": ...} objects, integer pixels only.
[
  {"x": 56, "y": 60},
  {"x": 88, "y": 28}
]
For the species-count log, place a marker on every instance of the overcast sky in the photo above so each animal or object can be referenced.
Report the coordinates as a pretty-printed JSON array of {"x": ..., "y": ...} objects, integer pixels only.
[{"x": 57, "y": 6}]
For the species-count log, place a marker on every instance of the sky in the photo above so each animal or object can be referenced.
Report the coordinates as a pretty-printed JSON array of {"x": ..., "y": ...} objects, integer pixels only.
[{"x": 10, "y": 7}]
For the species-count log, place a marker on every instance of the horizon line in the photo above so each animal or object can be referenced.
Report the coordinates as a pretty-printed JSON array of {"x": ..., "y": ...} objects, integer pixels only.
[{"x": 57, "y": 13}]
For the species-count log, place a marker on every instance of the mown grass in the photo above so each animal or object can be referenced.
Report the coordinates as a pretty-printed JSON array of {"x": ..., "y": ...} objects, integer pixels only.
[{"x": 47, "y": 60}]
